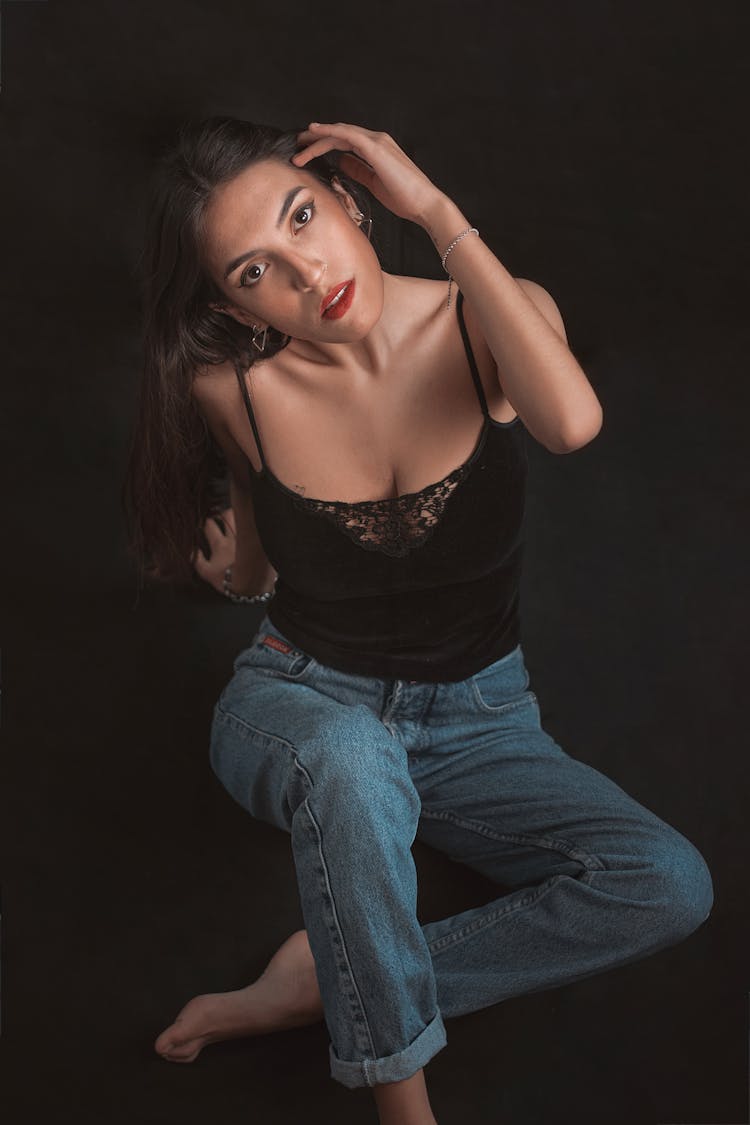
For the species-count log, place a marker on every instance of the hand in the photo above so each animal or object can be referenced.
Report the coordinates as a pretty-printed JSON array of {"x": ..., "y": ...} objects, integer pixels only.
[
  {"x": 223, "y": 547},
  {"x": 377, "y": 162}
]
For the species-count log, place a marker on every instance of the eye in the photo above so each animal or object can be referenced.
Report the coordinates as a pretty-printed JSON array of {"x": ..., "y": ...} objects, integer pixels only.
[
  {"x": 301, "y": 217},
  {"x": 248, "y": 277},
  {"x": 307, "y": 211}
]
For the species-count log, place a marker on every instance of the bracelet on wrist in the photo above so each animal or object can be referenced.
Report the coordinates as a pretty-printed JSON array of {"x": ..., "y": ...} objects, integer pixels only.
[
  {"x": 243, "y": 599},
  {"x": 453, "y": 245}
]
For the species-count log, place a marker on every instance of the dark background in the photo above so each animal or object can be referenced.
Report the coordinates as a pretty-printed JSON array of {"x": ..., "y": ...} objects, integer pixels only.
[{"x": 596, "y": 146}]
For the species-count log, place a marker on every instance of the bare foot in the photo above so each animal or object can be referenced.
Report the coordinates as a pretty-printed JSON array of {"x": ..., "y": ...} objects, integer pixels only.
[
  {"x": 285, "y": 995},
  {"x": 404, "y": 1102}
]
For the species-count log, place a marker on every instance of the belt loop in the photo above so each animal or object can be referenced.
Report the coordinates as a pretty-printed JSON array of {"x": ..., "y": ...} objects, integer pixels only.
[{"x": 391, "y": 701}]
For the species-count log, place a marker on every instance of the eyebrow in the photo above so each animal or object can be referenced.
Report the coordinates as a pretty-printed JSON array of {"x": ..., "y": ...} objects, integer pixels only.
[{"x": 288, "y": 200}]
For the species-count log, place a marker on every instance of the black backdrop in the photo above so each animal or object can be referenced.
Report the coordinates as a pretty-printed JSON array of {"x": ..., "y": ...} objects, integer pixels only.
[{"x": 596, "y": 146}]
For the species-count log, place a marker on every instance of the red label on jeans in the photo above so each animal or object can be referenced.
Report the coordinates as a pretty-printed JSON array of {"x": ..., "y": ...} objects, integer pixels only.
[{"x": 274, "y": 642}]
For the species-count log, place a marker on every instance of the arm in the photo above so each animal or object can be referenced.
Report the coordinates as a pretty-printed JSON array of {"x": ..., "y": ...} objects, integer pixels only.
[
  {"x": 521, "y": 324},
  {"x": 524, "y": 331},
  {"x": 252, "y": 573}
]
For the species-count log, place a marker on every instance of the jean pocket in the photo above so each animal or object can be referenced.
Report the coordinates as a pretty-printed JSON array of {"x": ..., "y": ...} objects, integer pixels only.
[
  {"x": 503, "y": 685},
  {"x": 525, "y": 699}
]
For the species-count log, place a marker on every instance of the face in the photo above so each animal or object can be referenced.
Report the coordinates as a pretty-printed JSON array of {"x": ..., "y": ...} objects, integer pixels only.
[{"x": 290, "y": 244}]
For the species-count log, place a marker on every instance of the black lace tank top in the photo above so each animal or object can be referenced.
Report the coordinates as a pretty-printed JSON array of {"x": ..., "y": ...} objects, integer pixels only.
[{"x": 422, "y": 586}]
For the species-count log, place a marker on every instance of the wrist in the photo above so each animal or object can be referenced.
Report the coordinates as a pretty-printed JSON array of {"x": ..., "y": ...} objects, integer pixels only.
[
  {"x": 230, "y": 590},
  {"x": 249, "y": 580},
  {"x": 443, "y": 220}
]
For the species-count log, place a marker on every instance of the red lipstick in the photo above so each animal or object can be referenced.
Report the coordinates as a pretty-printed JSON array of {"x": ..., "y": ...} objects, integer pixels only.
[{"x": 342, "y": 295}]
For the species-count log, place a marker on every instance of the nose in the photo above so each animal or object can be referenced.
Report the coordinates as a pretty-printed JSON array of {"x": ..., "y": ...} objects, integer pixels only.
[{"x": 308, "y": 271}]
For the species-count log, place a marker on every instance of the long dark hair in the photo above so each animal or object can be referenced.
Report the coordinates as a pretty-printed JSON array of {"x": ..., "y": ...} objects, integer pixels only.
[{"x": 176, "y": 473}]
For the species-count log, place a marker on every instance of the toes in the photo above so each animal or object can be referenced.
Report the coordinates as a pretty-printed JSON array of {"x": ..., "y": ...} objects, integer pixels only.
[
  {"x": 174, "y": 1056},
  {"x": 175, "y": 1052},
  {"x": 166, "y": 1045}
]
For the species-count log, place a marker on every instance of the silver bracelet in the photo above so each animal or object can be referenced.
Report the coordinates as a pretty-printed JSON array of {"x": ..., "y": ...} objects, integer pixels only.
[
  {"x": 463, "y": 234},
  {"x": 243, "y": 599}
]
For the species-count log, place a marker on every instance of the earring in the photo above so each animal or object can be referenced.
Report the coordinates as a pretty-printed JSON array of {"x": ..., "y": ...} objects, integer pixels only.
[
  {"x": 261, "y": 347},
  {"x": 361, "y": 220}
]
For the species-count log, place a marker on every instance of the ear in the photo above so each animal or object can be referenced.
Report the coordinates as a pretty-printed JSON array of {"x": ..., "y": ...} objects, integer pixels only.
[
  {"x": 345, "y": 199},
  {"x": 239, "y": 315}
]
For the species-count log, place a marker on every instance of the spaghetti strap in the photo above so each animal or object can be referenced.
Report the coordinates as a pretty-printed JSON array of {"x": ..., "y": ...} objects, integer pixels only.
[
  {"x": 250, "y": 414},
  {"x": 470, "y": 355}
]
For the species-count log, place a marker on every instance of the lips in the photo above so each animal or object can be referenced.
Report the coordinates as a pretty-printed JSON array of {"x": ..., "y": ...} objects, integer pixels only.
[{"x": 337, "y": 300}]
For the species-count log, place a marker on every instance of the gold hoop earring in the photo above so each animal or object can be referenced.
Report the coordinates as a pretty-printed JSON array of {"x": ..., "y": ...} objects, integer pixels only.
[{"x": 261, "y": 347}]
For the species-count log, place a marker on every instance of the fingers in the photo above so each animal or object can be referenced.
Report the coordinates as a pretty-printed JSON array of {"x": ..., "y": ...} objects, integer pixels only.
[
  {"x": 373, "y": 159},
  {"x": 210, "y": 567},
  {"x": 342, "y": 129},
  {"x": 350, "y": 163},
  {"x": 211, "y": 570},
  {"x": 318, "y": 148},
  {"x": 213, "y": 531},
  {"x": 214, "y": 535},
  {"x": 325, "y": 138},
  {"x": 199, "y": 563},
  {"x": 358, "y": 170}
]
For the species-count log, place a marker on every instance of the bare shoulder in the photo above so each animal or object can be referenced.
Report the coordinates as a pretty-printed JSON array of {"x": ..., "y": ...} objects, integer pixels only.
[
  {"x": 417, "y": 300},
  {"x": 439, "y": 335},
  {"x": 544, "y": 303},
  {"x": 212, "y": 384},
  {"x": 500, "y": 407},
  {"x": 216, "y": 393},
  {"x": 430, "y": 297}
]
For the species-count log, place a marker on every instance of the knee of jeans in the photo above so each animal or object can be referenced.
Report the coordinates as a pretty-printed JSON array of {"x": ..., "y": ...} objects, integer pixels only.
[{"x": 682, "y": 889}]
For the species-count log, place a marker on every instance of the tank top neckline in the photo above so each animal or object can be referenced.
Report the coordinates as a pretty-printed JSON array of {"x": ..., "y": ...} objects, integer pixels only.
[
  {"x": 488, "y": 423},
  {"x": 460, "y": 470}
]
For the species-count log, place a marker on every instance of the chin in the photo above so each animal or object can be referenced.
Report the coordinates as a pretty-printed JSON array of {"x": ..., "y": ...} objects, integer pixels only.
[{"x": 355, "y": 326}]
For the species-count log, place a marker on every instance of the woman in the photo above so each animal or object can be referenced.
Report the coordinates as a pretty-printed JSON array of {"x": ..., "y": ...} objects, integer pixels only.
[{"x": 373, "y": 430}]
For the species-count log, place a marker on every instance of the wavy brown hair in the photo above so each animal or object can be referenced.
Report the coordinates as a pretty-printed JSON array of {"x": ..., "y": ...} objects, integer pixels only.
[{"x": 176, "y": 473}]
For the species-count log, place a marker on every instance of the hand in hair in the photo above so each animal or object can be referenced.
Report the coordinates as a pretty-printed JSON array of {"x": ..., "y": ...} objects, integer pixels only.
[{"x": 375, "y": 160}]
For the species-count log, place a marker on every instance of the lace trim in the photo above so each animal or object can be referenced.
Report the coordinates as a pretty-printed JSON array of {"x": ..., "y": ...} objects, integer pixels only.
[{"x": 393, "y": 526}]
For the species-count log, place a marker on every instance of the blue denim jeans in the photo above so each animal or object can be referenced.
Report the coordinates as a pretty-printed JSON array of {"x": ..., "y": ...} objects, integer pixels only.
[{"x": 355, "y": 767}]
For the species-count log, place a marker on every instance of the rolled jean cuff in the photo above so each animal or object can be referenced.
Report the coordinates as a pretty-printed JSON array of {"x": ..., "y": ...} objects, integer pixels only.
[{"x": 392, "y": 1068}]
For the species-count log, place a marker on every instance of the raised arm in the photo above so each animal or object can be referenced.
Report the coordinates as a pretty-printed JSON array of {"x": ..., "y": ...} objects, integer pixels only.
[
  {"x": 539, "y": 374},
  {"x": 521, "y": 323}
]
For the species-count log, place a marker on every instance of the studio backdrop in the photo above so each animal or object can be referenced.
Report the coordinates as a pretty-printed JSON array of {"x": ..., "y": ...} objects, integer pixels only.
[{"x": 597, "y": 148}]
